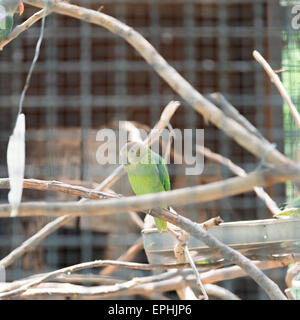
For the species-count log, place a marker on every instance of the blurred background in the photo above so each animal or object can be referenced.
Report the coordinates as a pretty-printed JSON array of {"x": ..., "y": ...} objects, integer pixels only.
[{"x": 88, "y": 78}]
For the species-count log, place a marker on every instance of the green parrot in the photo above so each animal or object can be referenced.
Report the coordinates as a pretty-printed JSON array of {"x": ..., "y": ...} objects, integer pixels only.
[
  {"x": 291, "y": 210},
  {"x": 7, "y": 10},
  {"x": 147, "y": 172}
]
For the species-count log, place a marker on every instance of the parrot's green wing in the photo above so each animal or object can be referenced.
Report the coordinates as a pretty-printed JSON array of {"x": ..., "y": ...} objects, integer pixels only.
[
  {"x": 163, "y": 173},
  {"x": 165, "y": 181},
  {"x": 6, "y": 24}
]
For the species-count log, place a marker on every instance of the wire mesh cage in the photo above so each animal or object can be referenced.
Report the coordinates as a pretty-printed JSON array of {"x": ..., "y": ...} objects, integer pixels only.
[{"x": 88, "y": 78}]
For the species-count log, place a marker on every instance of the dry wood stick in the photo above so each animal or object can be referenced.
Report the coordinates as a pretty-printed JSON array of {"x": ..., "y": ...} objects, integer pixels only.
[
  {"x": 127, "y": 256},
  {"x": 279, "y": 85},
  {"x": 260, "y": 192},
  {"x": 188, "y": 195}
]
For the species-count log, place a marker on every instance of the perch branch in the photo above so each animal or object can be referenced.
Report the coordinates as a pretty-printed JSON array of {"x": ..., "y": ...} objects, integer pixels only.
[
  {"x": 44, "y": 185},
  {"x": 188, "y": 195}
]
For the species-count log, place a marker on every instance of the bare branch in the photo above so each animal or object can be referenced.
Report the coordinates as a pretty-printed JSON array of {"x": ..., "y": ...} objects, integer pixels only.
[
  {"x": 34, "y": 240},
  {"x": 233, "y": 113},
  {"x": 44, "y": 185},
  {"x": 194, "y": 268},
  {"x": 270, "y": 203},
  {"x": 197, "y": 194},
  {"x": 276, "y": 80},
  {"x": 234, "y": 272},
  {"x": 127, "y": 256}
]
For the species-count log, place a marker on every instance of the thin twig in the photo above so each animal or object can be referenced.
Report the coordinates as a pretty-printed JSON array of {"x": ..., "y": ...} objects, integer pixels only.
[
  {"x": 270, "y": 203},
  {"x": 127, "y": 256},
  {"x": 36, "y": 56},
  {"x": 233, "y": 113},
  {"x": 229, "y": 273},
  {"x": 136, "y": 219},
  {"x": 74, "y": 190},
  {"x": 279, "y": 85},
  {"x": 34, "y": 240},
  {"x": 194, "y": 268}
]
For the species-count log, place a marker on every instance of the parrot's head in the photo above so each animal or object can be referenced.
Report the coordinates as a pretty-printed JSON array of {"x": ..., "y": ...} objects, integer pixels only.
[
  {"x": 133, "y": 152},
  {"x": 13, "y": 6}
]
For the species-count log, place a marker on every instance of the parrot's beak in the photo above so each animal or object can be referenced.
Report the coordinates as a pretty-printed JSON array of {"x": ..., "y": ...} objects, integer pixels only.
[{"x": 21, "y": 8}]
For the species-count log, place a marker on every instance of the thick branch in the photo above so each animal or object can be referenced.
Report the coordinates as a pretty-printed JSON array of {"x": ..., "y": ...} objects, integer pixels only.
[{"x": 184, "y": 196}]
